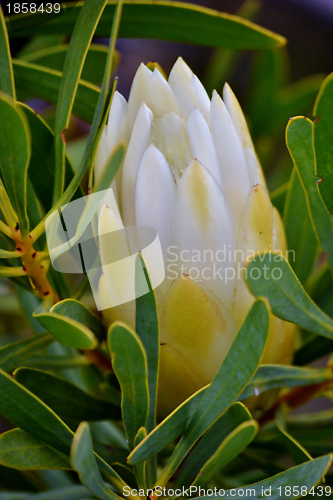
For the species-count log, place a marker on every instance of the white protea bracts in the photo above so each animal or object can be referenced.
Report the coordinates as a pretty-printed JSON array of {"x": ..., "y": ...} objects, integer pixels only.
[{"x": 192, "y": 174}]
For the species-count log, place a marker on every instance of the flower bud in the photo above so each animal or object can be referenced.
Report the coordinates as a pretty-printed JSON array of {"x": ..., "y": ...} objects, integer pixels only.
[{"x": 191, "y": 173}]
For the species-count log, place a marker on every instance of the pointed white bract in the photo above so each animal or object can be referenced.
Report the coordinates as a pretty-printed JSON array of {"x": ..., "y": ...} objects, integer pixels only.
[{"x": 191, "y": 173}]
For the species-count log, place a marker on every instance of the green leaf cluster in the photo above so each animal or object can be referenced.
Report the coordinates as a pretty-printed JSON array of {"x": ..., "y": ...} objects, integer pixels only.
[{"x": 78, "y": 401}]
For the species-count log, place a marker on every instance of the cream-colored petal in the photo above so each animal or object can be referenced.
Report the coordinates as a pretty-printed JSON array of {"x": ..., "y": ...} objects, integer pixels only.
[
  {"x": 201, "y": 96},
  {"x": 117, "y": 127},
  {"x": 154, "y": 195},
  {"x": 102, "y": 154},
  {"x": 203, "y": 230},
  {"x": 202, "y": 144},
  {"x": 138, "y": 93},
  {"x": 124, "y": 312},
  {"x": 118, "y": 263},
  {"x": 161, "y": 99},
  {"x": 237, "y": 116},
  {"x": 188, "y": 90},
  {"x": 196, "y": 334},
  {"x": 256, "y": 235},
  {"x": 136, "y": 148},
  {"x": 231, "y": 157}
]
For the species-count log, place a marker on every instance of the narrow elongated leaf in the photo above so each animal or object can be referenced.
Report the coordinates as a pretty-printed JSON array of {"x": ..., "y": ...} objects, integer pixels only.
[
  {"x": 236, "y": 415},
  {"x": 230, "y": 447},
  {"x": 5, "y": 254},
  {"x": 313, "y": 350},
  {"x": 322, "y": 141},
  {"x": 168, "y": 430},
  {"x": 275, "y": 376},
  {"x": 12, "y": 355},
  {"x": 299, "y": 141},
  {"x": 141, "y": 468},
  {"x": 301, "y": 239},
  {"x": 130, "y": 366},
  {"x": 296, "y": 450},
  {"x": 93, "y": 68},
  {"x": 51, "y": 362},
  {"x": 7, "y": 84},
  {"x": 79, "y": 312},
  {"x": 177, "y": 22},
  {"x": 6, "y": 208},
  {"x": 307, "y": 475},
  {"x": 14, "y": 157},
  {"x": 69, "y": 493},
  {"x": 100, "y": 110},
  {"x": 39, "y": 81},
  {"x": 9, "y": 272},
  {"x": 28, "y": 412},
  {"x": 146, "y": 325},
  {"x": 41, "y": 166},
  {"x": 83, "y": 461},
  {"x": 68, "y": 331},
  {"x": 65, "y": 399},
  {"x": 274, "y": 279},
  {"x": 20, "y": 450},
  {"x": 235, "y": 371},
  {"x": 84, "y": 29}
]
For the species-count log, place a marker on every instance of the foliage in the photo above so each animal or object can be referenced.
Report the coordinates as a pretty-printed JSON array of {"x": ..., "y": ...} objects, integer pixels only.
[{"x": 83, "y": 399}]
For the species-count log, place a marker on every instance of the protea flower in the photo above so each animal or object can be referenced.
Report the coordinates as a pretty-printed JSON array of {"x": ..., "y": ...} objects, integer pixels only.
[{"x": 191, "y": 173}]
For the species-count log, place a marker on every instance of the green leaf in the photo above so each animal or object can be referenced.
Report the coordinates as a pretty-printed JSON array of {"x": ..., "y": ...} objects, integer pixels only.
[
  {"x": 12, "y": 355},
  {"x": 307, "y": 475},
  {"x": 5, "y": 254},
  {"x": 83, "y": 461},
  {"x": 236, "y": 415},
  {"x": 10, "y": 272},
  {"x": 274, "y": 376},
  {"x": 106, "y": 95},
  {"x": 237, "y": 368},
  {"x": 313, "y": 350},
  {"x": 64, "y": 398},
  {"x": 230, "y": 447},
  {"x": 20, "y": 450},
  {"x": 168, "y": 430},
  {"x": 146, "y": 325},
  {"x": 93, "y": 68},
  {"x": 322, "y": 141},
  {"x": 28, "y": 412},
  {"x": 84, "y": 29},
  {"x": 301, "y": 239},
  {"x": 109, "y": 172},
  {"x": 97, "y": 121},
  {"x": 222, "y": 62},
  {"x": 39, "y": 81},
  {"x": 273, "y": 278},
  {"x": 42, "y": 159},
  {"x": 140, "y": 469},
  {"x": 14, "y": 157},
  {"x": 67, "y": 331},
  {"x": 69, "y": 493},
  {"x": 51, "y": 362},
  {"x": 79, "y": 312},
  {"x": 7, "y": 84},
  {"x": 296, "y": 450},
  {"x": 6, "y": 208},
  {"x": 130, "y": 366},
  {"x": 164, "y": 21},
  {"x": 299, "y": 141},
  {"x": 269, "y": 74}
]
